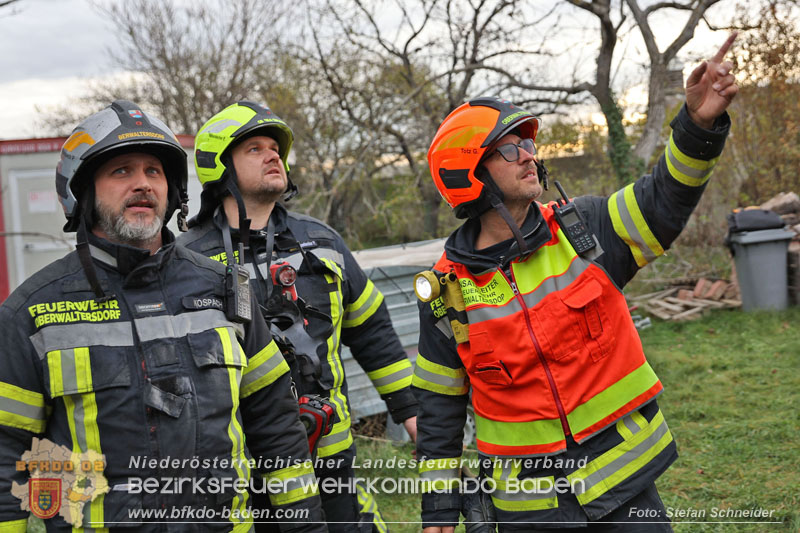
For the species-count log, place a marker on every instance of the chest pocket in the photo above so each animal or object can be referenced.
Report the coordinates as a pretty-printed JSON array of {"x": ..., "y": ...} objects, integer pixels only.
[
  {"x": 586, "y": 311},
  {"x": 83, "y": 370}
]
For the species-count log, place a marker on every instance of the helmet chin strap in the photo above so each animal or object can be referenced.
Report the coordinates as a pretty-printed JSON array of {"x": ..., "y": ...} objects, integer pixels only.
[{"x": 501, "y": 208}]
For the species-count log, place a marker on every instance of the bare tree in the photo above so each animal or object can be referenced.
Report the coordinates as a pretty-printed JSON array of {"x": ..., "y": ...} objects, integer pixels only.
[
  {"x": 194, "y": 58},
  {"x": 397, "y": 77}
]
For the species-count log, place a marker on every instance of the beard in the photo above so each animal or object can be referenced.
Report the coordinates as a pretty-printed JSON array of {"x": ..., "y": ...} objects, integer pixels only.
[{"x": 138, "y": 233}]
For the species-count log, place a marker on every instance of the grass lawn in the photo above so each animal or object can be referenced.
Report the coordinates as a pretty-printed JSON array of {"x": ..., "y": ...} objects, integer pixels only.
[{"x": 732, "y": 399}]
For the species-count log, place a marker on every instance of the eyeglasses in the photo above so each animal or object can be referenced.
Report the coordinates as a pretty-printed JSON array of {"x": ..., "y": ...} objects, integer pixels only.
[{"x": 510, "y": 151}]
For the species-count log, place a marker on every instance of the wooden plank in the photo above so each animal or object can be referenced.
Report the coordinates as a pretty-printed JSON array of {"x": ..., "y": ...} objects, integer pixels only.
[
  {"x": 687, "y": 314},
  {"x": 732, "y": 303},
  {"x": 689, "y": 303},
  {"x": 667, "y": 305},
  {"x": 653, "y": 295},
  {"x": 711, "y": 303},
  {"x": 655, "y": 311}
]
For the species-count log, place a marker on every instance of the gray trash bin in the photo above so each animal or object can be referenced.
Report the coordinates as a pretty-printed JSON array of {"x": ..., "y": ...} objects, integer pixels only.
[{"x": 760, "y": 258}]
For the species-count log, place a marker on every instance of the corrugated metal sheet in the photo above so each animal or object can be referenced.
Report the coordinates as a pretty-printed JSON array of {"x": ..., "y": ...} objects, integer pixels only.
[{"x": 396, "y": 284}]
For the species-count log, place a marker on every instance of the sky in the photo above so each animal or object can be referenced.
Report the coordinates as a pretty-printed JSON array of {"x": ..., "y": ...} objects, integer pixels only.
[
  {"x": 48, "y": 51},
  {"x": 51, "y": 49}
]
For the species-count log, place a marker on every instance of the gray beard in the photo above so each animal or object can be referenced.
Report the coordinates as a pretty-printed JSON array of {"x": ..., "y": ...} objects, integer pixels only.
[{"x": 138, "y": 234}]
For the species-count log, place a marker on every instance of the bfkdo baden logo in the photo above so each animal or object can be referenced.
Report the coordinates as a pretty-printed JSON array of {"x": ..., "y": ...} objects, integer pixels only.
[{"x": 44, "y": 495}]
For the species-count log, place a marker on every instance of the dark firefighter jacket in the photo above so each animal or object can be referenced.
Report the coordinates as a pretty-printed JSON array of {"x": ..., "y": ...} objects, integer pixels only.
[
  {"x": 334, "y": 284},
  {"x": 633, "y": 226},
  {"x": 152, "y": 386}
]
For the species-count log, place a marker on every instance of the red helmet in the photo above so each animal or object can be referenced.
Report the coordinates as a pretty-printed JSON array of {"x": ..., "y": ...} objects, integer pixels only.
[{"x": 466, "y": 136}]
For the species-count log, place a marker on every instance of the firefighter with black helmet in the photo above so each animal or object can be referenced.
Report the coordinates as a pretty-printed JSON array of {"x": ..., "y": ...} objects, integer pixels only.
[
  {"x": 124, "y": 356},
  {"x": 524, "y": 316},
  {"x": 308, "y": 284}
]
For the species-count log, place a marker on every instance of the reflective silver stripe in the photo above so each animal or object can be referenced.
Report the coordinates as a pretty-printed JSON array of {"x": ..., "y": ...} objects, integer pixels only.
[
  {"x": 632, "y": 426},
  {"x": 267, "y": 366},
  {"x": 64, "y": 336},
  {"x": 446, "y": 473},
  {"x": 334, "y": 438},
  {"x": 351, "y": 316},
  {"x": 439, "y": 379},
  {"x": 621, "y": 462},
  {"x": 691, "y": 172},
  {"x": 329, "y": 253},
  {"x": 17, "y": 407},
  {"x": 177, "y": 326},
  {"x": 402, "y": 373},
  {"x": 102, "y": 256},
  {"x": 262, "y": 267},
  {"x": 69, "y": 376},
  {"x": 322, "y": 253},
  {"x": 444, "y": 326},
  {"x": 217, "y": 127},
  {"x": 549, "y": 285},
  {"x": 630, "y": 227}
]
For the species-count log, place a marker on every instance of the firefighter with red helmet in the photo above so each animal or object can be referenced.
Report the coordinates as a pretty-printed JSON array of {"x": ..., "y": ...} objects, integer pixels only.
[{"x": 524, "y": 311}]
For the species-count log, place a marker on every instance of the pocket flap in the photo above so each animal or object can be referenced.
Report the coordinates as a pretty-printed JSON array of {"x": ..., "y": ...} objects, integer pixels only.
[
  {"x": 493, "y": 372},
  {"x": 582, "y": 295},
  {"x": 82, "y": 370},
  {"x": 216, "y": 347},
  {"x": 480, "y": 342}
]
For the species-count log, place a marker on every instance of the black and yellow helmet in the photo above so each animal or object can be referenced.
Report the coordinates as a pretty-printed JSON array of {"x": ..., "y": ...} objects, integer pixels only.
[
  {"x": 122, "y": 126},
  {"x": 213, "y": 143}
]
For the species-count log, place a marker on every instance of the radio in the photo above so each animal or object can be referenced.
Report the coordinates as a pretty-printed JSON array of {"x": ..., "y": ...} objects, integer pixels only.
[{"x": 572, "y": 224}]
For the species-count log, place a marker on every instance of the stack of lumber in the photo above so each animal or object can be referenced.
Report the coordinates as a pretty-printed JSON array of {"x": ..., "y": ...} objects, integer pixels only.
[{"x": 687, "y": 302}]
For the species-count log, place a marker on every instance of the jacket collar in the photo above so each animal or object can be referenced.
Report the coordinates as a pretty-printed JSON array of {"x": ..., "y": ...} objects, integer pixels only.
[
  {"x": 278, "y": 217},
  {"x": 460, "y": 246},
  {"x": 125, "y": 259}
]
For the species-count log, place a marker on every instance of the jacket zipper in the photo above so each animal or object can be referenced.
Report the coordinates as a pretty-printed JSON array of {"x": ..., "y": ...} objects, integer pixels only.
[{"x": 561, "y": 414}]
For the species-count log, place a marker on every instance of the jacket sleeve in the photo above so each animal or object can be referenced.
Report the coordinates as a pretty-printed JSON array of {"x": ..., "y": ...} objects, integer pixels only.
[
  {"x": 639, "y": 222},
  {"x": 23, "y": 416},
  {"x": 273, "y": 431},
  {"x": 442, "y": 389},
  {"x": 367, "y": 329}
]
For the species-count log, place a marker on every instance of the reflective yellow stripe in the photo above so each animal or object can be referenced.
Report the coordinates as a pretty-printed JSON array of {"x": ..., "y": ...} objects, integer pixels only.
[
  {"x": 369, "y": 505},
  {"x": 621, "y": 461},
  {"x": 392, "y": 378},
  {"x": 23, "y": 409},
  {"x": 612, "y": 398},
  {"x": 232, "y": 354},
  {"x": 687, "y": 170},
  {"x": 14, "y": 526},
  {"x": 440, "y": 474},
  {"x": 263, "y": 369},
  {"x": 298, "y": 482},
  {"x": 534, "y": 433},
  {"x": 340, "y": 438},
  {"x": 364, "y": 307},
  {"x": 546, "y": 262},
  {"x": 70, "y": 371},
  {"x": 631, "y": 227},
  {"x": 438, "y": 378},
  {"x": 514, "y": 494}
]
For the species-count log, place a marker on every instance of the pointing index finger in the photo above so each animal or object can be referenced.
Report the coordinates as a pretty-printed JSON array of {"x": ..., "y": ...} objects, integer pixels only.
[{"x": 720, "y": 55}]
